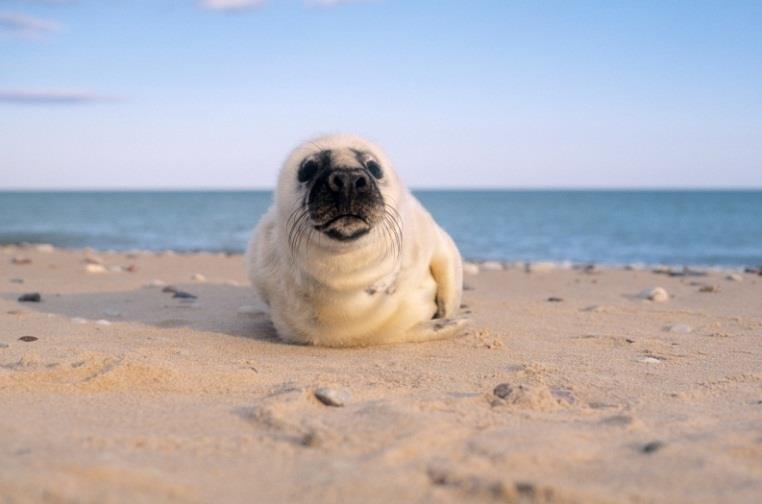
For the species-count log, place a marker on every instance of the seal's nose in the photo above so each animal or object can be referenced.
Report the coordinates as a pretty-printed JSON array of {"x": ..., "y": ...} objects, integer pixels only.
[{"x": 348, "y": 182}]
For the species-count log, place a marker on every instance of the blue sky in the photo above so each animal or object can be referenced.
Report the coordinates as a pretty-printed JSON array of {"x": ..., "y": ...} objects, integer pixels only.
[{"x": 213, "y": 94}]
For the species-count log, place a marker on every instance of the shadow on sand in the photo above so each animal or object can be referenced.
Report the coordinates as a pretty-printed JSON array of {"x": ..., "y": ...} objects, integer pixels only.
[{"x": 215, "y": 309}]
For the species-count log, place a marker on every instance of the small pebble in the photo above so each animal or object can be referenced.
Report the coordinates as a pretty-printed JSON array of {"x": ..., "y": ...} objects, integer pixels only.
[
  {"x": 503, "y": 390},
  {"x": 21, "y": 260},
  {"x": 156, "y": 283},
  {"x": 554, "y": 300},
  {"x": 492, "y": 265},
  {"x": 95, "y": 269},
  {"x": 103, "y": 322},
  {"x": 470, "y": 268},
  {"x": 734, "y": 277},
  {"x": 17, "y": 280},
  {"x": 709, "y": 288},
  {"x": 132, "y": 268},
  {"x": 526, "y": 489},
  {"x": 680, "y": 328},
  {"x": 32, "y": 297},
  {"x": 3, "y": 345},
  {"x": 656, "y": 294},
  {"x": 183, "y": 295},
  {"x": 563, "y": 395},
  {"x": 169, "y": 288},
  {"x": 93, "y": 260},
  {"x": 652, "y": 447},
  {"x": 198, "y": 277},
  {"x": 332, "y": 397},
  {"x": 28, "y": 339},
  {"x": 649, "y": 360},
  {"x": 311, "y": 439}
]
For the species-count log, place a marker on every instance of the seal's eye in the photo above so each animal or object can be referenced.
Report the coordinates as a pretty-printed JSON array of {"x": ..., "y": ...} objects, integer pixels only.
[
  {"x": 308, "y": 170},
  {"x": 375, "y": 169}
]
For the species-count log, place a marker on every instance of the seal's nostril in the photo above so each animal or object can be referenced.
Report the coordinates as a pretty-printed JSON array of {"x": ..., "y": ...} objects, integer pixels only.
[
  {"x": 349, "y": 182},
  {"x": 337, "y": 181}
]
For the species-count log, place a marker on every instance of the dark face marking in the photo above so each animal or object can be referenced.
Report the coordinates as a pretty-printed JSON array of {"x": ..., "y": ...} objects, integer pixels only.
[
  {"x": 342, "y": 197},
  {"x": 370, "y": 164},
  {"x": 375, "y": 169},
  {"x": 307, "y": 170}
]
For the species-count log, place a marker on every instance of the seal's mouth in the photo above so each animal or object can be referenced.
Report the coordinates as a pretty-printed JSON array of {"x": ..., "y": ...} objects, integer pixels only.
[{"x": 345, "y": 227}]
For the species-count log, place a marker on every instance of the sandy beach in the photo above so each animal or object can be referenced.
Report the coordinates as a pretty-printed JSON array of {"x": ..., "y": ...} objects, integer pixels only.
[{"x": 569, "y": 386}]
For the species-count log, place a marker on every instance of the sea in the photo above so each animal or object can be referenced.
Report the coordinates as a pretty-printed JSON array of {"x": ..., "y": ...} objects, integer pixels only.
[{"x": 688, "y": 228}]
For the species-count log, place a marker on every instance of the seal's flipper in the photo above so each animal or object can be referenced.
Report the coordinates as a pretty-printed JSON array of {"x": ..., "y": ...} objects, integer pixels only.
[
  {"x": 447, "y": 269},
  {"x": 436, "y": 329}
]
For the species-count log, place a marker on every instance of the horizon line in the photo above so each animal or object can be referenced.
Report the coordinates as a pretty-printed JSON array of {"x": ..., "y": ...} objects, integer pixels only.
[{"x": 427, "y": 188}]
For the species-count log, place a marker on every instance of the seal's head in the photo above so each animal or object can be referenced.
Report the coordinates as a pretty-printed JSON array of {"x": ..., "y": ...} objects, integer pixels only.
[
  {"x": 340, "y": 186},
  {"x": 342, "y": 195}
]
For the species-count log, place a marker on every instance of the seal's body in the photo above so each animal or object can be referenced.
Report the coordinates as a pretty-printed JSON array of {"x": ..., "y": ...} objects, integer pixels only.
[{"x": 347, "y": 256}]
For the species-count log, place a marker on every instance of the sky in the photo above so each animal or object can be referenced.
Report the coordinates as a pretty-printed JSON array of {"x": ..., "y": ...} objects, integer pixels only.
[{"x": 213, "y": 94}]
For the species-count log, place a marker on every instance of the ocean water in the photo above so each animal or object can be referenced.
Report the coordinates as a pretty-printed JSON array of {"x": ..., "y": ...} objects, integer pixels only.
[{"x": 722, "y": 228}]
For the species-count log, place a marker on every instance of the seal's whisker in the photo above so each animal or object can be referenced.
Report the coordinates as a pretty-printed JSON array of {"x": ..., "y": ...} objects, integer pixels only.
[
  {"x": 317, "y": 146},
  {"x": 389, "y": 247},
  {"x": 383, "y": 233},
  {"x": 390, "y": 238},
  {"x": 396, "y": 222},
  {"x": 304, "y": 232},
  {"x": 295, "y": 228},
  {"x": 391, "y": 222},
  {"x": 391, "y": 235}
]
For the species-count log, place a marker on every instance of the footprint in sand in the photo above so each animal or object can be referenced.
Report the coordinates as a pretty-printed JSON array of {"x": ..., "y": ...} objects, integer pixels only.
[{"x": 532, "y": 396}]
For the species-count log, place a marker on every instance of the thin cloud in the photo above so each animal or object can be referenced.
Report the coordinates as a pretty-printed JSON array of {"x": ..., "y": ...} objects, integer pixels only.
[
  {"x": 51, "y": 2},
  {"x": 332, "y": 3},
  {"x": 22, "y": 24},
  {"x": 239, "y": 5},
  {"x": 230, "y": 5},
  {"x": 29, "y": 97}
]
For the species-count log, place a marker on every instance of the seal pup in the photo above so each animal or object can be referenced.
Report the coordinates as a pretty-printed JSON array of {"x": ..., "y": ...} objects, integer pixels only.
[{"x": 347, "y": 256}]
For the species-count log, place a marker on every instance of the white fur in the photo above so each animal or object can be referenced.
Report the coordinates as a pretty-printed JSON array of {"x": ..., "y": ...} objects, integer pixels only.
[{"x": 335, "y": 293}]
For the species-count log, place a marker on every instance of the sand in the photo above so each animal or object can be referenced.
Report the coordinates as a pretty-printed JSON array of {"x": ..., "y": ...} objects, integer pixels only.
[{"x": 569, "y": 386}]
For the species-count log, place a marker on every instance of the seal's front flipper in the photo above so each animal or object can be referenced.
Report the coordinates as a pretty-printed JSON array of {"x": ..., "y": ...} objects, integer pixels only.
[
  {"x": 447, "y": 269},
  {"x": 436, "y": 329}
]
